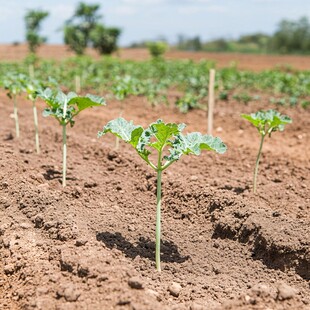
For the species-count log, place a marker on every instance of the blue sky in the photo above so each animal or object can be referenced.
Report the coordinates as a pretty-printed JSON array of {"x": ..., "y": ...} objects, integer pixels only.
[{"x": 149, "y": 19}]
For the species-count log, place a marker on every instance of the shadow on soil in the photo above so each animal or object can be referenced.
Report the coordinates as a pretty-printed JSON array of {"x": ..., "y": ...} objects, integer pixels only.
[
  {"x": 237, "y": 190},
  {"x": 144, "y": 247},
  {"x": 52, "y": 174}
]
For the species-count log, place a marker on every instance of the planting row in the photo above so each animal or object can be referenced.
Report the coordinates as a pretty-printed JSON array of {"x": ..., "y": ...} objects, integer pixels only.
[
  {"x": 153, "y": 79},
  {"x": 165, "y": 139}
]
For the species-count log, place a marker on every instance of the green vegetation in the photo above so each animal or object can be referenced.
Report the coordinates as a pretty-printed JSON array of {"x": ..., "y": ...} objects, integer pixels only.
[
  {"x": 290, "y": 37},
  {"x": 266, "y": 123},
  {"x": 154, "y": 80},
  {"x": 33, "y": 20},
  {"x": 157, "y": 49},
  {"x": 84, "y": 29},
  {"x": 157, "y": 137},
  {"x": 13, "y": 84},
  {"x": 64, "y": 108}
]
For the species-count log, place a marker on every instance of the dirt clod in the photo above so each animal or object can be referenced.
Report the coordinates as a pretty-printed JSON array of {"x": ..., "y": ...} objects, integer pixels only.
[{"x": 175, "y": 289}]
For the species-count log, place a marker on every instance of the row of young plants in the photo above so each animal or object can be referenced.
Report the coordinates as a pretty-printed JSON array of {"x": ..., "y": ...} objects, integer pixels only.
[
  {"x": 165, "y": 139},
  {"x": 153, "y": 79}
]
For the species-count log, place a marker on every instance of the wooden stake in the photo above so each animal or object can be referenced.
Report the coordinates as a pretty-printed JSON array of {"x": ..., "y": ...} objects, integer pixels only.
[
  {"x": 31, "y": 71},
  {"x": 77, "y": 84},
  {"x": 211, "y": 101}
]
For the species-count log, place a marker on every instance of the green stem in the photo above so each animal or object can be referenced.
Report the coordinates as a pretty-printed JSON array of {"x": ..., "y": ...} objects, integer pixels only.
[
  {"x": 158, "y": 212},
  {"x": 16, "y": 117},
  {"x": 158, "y": 222},
  {"x": 257, "y": 163},
  {"x": 64, "y": 159},
  {"x": 36, "y": 127}
]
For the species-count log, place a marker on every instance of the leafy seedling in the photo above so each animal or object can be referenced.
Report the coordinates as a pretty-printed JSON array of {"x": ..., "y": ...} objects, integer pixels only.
[
  {"x": 33, "y": 87},
  {"x": 157, "y": 137},
  {"x": 12, "y": 83},
  {"x": 266, "y": 122},
  {"x": 65, "y": 108}
]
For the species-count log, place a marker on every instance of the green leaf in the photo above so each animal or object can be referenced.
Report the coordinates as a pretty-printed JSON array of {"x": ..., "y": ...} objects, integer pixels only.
[
  {"x": 71, "y": 104},
  {"x": 163, "y": 132},
  {"x": 85, "y": 102},
  {"x": 165, "y": 135},
  {"x": 267, "y": 121},
  {"x": 123, "y": 129},
  {"x": 194, "y": 143}
]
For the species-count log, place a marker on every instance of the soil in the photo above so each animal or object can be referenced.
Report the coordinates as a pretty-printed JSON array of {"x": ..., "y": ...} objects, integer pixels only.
[
  {"x": 91, "y": 244},
  {"x": 242, "y": 61}
]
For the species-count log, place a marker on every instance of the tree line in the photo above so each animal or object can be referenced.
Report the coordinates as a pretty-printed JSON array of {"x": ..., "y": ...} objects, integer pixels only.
[
  {"x": 290, "y": 37},
  {"x": 83, "y": 29}
]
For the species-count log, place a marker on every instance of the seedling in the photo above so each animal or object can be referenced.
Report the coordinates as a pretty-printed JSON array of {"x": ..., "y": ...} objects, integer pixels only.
[
  {"x": 13, "y": 84},
  {"x": 266, "y": 122},
  {"x": 156, "y": 137},
  {"x": 33, "y": 87},
  {"x": 64, "y": 108}
]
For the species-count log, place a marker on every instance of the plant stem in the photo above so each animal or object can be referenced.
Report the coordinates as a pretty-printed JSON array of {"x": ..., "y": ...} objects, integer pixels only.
[
  {"x": 158, "y": 223},
  {"x": 64, "y": 159},
  {"x": 16, "y": 117},
  {"x": 36, "y": 127},
  {"x": 257, "y": 163}
]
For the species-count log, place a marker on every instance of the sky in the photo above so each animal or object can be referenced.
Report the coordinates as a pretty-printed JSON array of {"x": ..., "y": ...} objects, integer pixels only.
[{"x": 152, "y": 19}]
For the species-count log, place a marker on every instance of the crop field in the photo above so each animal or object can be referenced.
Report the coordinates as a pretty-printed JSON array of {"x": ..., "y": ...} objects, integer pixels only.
[{"x": 79, "y": 221}]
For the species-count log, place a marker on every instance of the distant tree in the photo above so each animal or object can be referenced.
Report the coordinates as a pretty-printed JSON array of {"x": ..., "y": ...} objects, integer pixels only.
[
  {"x": 189, "y": 44},
  {"x": 84, "y": 29},
  {"x": 157, "y": 49},
  {"x": 33, "y": 20},
  {"x": 105, "y": 39},
  {"x": 292, "y": 37}
]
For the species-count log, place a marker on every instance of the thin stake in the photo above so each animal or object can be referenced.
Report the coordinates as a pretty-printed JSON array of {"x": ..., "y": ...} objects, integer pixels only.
[
  {"x": 64, "y": 147},
  {"x": 36, "y": 127},
  {"x": 77, "y": 84},
  {"x": 211, "y": 101},
  {"x": 16, "y": 117},
  {"x": 31, "y": 71}
]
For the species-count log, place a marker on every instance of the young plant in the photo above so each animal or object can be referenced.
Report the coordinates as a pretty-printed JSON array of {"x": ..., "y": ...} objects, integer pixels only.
[
  {"x": 65, "y": 108},
  {"x": 13, "y": 84},
  {"x": 32, "y": 88},
  {"x": 157, "y": 137},
  {"x": 266, "y": 122}
]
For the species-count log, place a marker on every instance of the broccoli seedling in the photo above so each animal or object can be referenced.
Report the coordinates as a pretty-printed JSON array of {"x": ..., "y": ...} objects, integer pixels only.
[
  {"x": 64, "y": 108},
  {"x": 12, "y": 83},
  {"x": 158, "y": 136},
  {"x": 266, "y": 122},
  {"x": 32, "y": 88}
]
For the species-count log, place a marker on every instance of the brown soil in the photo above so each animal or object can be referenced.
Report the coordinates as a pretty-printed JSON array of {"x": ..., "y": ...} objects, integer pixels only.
[
  {"x": 243, "y": 61},
  {"x": 91, "y": 245}
]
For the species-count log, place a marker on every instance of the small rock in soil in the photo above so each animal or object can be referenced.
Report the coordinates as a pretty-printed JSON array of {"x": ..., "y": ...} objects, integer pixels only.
[
  {"x": 261, "y": 290},
  {"x": 195, "y": 306},
  {"x": 69, "y": 292},
  {"x": 154, "y": 294},
  {"x": 136, "y": 283},
  {"x": 285, "y": 292},
  {"x": 9, "y": 269},
  {"x": 175, "y": 289},
  {"x": 80, "y": 242}
]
